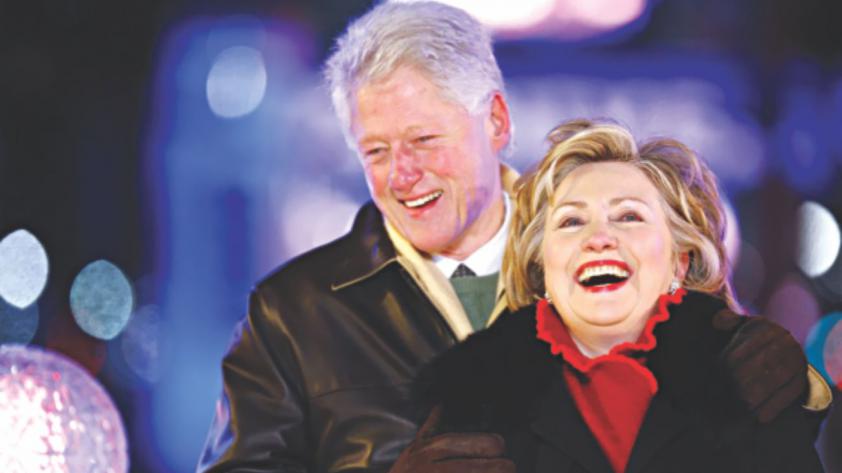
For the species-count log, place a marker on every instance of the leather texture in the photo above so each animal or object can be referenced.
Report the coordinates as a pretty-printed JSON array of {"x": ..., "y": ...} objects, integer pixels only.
[{"x": 318, "y": 377}]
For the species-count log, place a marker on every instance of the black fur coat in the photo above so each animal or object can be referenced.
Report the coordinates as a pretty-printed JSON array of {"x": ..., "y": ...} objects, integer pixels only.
[{"x": 505, "y": 380}]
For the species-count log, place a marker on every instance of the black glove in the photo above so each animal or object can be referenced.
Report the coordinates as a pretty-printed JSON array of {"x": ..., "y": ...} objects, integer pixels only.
[
  {"x": 452, "y": 452},
  {"x": 767, "y": 364}
]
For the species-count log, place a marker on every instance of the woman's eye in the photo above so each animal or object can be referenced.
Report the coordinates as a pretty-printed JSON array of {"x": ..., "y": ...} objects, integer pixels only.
[
  {"x": 630, "y": 217},
  {"x": 570, "y": 222},
  {"x": 425, "y": 139}
]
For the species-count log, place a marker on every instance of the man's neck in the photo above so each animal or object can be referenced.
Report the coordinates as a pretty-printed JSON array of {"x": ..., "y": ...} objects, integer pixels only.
[
  {"x": 488, "y": 257},
  {"x": 481, "y": 231}
]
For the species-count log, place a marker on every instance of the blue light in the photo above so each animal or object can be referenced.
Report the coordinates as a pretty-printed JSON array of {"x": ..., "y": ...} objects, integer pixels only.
[
  {"x": 140, "y": 343},
  {"x": 801, "y": 142},
  {"x": 816, "y": 341},
  {"x": 101, "y": 299},
  {"x": 17, "y": 325}
]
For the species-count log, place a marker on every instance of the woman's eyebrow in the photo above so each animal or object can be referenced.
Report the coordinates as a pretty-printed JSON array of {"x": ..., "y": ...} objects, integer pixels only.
[
  {"x": 619, "y": 200},
  {"x": 568, "y": 203}
]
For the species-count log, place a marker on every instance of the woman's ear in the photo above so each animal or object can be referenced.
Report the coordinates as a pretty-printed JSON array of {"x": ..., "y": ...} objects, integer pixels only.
[{"x": 683, "y": 265}]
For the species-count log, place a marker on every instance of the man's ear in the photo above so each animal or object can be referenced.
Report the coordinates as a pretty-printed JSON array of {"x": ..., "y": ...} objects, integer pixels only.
[{"x": 498, "y": 125}]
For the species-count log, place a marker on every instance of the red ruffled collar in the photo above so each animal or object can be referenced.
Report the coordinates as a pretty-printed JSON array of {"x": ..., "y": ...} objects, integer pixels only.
[{"x": 551, "y": 329}]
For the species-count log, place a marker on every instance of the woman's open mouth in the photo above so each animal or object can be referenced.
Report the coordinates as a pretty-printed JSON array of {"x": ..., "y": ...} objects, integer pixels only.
[{"x": 603, "y": 275}]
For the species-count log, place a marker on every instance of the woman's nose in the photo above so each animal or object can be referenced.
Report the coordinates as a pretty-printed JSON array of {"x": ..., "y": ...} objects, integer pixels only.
[{"x": 599, "y": 239}]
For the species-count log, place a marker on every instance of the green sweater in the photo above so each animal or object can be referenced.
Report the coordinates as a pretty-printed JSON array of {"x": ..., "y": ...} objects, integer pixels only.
[{"x": 477, "y": 294}]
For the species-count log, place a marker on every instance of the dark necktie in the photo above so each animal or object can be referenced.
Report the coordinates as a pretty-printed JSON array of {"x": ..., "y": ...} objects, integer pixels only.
[{"x": 462, "y": 271}]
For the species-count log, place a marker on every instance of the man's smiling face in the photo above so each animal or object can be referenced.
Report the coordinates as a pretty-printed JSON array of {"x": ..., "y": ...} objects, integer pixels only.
[{"x": 431, "y": 166}]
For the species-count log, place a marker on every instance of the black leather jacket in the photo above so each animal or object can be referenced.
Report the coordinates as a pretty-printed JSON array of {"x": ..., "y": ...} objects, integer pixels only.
[{"x": 318, "y": 378}]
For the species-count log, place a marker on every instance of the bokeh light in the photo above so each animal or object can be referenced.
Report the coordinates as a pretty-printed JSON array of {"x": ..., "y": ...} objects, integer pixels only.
[
  {"x": 832, "y": 354},
  {"x": 793, "y": 306},
  {"x": 55, "y": 417},
  {"x": 732, "y": 232},
  {"x": 801, "y": 139},
  {"x": 23, "y": 268},
  {"x": 140, "y": 342},
  {"x": 236, "y": 82},
  {"x": 606, "y": 14},
  {"x": 505, "y": 14},
  {"x": 101, "y": 299},
  {"x": 701, "y": 112},
  {"x": 820, "y": 348},
  {"x": 315, "y": 214},
  {"x": 818, "y": 239},
  {"x": 17, "y": 325},
  {"x": 565, "y": 19}
]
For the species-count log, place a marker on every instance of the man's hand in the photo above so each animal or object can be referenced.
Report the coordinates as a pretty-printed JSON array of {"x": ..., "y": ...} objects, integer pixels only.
[
  {"x": 766, "y": 362},
  {"x": 452, "y": 452}
]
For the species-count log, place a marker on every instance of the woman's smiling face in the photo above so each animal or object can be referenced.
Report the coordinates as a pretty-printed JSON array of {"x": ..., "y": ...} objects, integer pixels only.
[{"x": 608, "y": 253}]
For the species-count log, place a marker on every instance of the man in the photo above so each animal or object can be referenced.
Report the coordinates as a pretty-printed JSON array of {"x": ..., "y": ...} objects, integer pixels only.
[{"x": 319, "y": 376}]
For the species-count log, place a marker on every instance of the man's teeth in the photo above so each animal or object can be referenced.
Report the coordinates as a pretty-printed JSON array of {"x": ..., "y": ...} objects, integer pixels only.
[
  {"x": 422, "y": 200},
  {"x": 606, "y": 270}
]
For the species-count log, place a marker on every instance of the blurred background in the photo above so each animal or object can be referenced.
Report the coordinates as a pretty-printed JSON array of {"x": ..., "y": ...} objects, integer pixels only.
[{"x": 158, "y": 157}]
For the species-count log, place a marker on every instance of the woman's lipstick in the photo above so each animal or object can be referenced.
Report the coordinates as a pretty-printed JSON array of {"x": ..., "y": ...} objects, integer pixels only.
[{"x": 604, "y": 287}]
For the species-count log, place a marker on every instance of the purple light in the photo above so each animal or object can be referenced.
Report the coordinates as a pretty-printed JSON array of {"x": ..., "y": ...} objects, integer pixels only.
[
  {"x": 794, "y": 306},
  {"x": 54, "y": 417}
]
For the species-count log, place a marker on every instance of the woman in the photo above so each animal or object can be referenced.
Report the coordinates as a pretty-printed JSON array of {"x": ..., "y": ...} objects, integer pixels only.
[{"x": 607, "y": 361}]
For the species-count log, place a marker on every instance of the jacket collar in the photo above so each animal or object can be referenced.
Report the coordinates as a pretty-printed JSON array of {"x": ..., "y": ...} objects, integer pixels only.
[
  {"x": 370, "y": 249},
  {"x": 683, "y": 361},
  {"x": 379, "y": 244},
  {"x": 504, "y": 379}
]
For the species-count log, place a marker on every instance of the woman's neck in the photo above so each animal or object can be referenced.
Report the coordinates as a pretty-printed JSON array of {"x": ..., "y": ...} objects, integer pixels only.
[{"x": 597, "y": 343}]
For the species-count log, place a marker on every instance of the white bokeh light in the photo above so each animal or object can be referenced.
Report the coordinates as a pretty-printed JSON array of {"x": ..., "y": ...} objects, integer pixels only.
[
  {"x": 603, "y": 13},
  {"x": 23, "y": 268},
  {"x": 504, "y": 14},
  {"x": 314, "y": 214},
  {"x": 101, "y": 299},
  {"x": 818, "y": 239},
  {"x": 236, "y": 82},
  {"x": 55, "y": 417}
]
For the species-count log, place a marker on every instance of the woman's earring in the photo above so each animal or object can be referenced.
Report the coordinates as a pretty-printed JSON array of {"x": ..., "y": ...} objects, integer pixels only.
[
  {"x": 674, "y": 285},
  {"x": 547, "y": 297}
]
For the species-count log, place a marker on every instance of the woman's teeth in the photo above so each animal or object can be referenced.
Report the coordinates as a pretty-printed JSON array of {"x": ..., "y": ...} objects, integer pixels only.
[{"x": 606, "y": 274}]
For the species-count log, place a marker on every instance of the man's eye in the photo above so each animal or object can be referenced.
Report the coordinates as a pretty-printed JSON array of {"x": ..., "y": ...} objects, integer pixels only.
[
  {"x": 374, "y": 152},
  {"x": 630, "y": 217},
  {"x": 425, "y": 139},
  {"x": 570, "y": 222}
]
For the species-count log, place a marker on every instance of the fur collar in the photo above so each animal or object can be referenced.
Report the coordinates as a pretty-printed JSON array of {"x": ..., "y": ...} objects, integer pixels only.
[{"x": 493, "y": 381}]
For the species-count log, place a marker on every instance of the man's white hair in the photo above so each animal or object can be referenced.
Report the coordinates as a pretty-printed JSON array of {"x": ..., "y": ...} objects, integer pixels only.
[{"x": 445, "y": 43}]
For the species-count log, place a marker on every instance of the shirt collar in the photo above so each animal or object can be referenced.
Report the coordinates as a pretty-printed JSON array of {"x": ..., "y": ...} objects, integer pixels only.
[{"x": 487, "y": 259}]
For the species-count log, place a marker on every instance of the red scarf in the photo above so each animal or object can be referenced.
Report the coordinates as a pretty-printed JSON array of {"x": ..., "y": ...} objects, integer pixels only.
[{"x": 611, "y": 391}]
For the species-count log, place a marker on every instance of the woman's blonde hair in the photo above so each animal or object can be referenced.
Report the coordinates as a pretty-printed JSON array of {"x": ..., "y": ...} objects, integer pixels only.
[{"x": 687, "y": 186}]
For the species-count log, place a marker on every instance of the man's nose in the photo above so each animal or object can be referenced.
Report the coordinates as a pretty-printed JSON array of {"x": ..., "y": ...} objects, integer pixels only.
[
  {"x": 405, "y": 170},
  {"x": 599, "y": 238}
]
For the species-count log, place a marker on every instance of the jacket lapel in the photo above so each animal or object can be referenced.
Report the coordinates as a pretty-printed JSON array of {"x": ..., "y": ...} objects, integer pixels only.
[
  {"x": 557, "y": 421},
  {"x": 660, "y": 425},
  {"x": 684, "y": 363}
]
